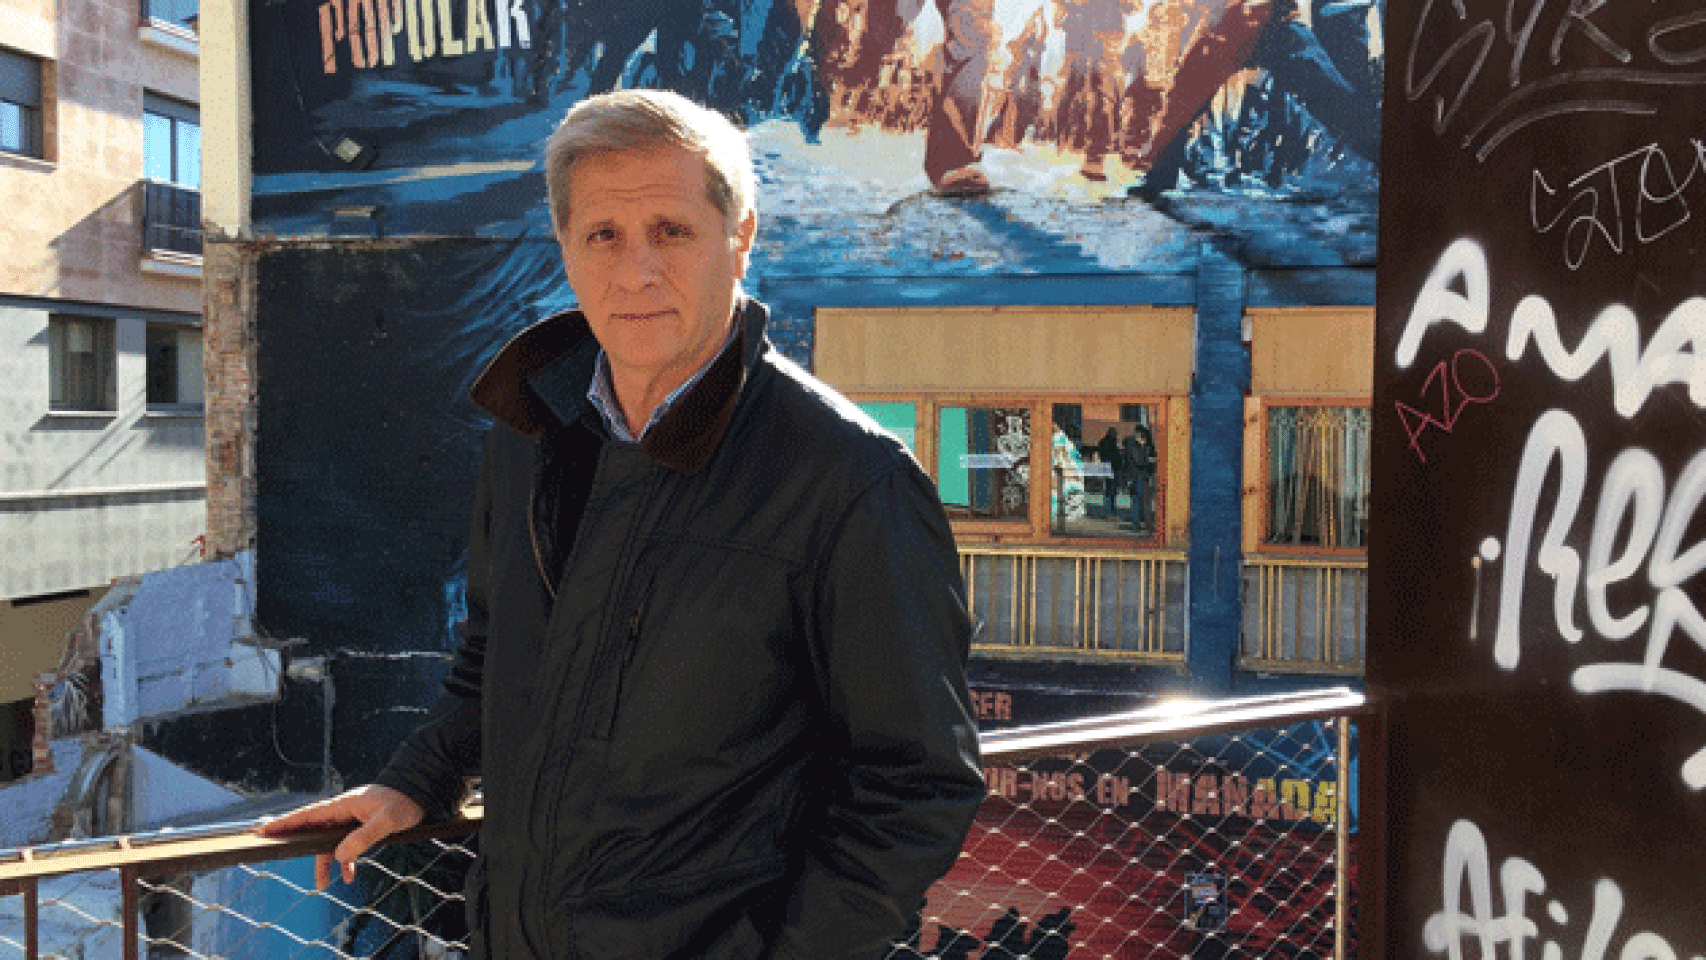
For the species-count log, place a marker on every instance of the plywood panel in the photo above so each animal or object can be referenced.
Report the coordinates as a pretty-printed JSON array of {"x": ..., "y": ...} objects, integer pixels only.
[
  {"x": 1051, "y": 349},
  {"x": 1312, "y": 351},
  {"x": 1255, "y": 470},
  {"x": 1178, "y": 473}
]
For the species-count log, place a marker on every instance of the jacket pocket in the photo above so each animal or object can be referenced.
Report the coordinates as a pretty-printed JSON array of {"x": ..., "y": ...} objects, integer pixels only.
[{"x": 724, "y": 914}]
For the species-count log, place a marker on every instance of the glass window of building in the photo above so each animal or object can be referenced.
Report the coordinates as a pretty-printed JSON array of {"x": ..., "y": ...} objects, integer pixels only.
[
  {"x": 1104, "y": 464},
  {"x": 983, "y": 462},
  {"x": 81, "y": 363},
  {"x": 1317, "y": 484},
  {"x": 20, "y": 104},
  {"x": 171, "y": 142},
  {"x": 173, "y": 366},
  {"x": 898, "y": 418},
  {"x": 182, "y": 14}
]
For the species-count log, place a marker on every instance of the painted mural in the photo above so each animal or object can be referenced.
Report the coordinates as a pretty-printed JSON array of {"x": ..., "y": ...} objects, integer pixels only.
[{"x": 1117, "y": 130}]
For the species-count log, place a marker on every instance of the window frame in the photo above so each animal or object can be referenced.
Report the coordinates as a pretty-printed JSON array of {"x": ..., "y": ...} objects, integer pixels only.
[
  {"x": 106, "y": 365},
  {"x": 35, "y": 113},
  {"x": 176, "y": 112},
  {"x": 1264, "y": 512},
  {"x": 177, "y": 404},
  {"x": 1037, "y": 529}
]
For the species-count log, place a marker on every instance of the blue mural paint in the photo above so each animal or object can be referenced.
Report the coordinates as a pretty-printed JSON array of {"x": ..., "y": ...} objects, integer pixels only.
[
  {"x": 428, "y": 135},
  {"x": 1217, "y": 433}
]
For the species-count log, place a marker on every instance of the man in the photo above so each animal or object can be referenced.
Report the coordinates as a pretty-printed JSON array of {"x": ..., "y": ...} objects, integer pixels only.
[{"x": 713, "y": 669}]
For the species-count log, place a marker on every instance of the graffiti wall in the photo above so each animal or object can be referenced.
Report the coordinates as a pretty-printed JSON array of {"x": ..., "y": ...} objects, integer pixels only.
[
  {"x": 1107, "y": 130},
  {"x": 1535, "y": 566}
]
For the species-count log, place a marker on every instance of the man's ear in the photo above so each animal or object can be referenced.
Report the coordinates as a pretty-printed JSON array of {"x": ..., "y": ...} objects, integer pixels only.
[{"x": 745, "y": 232}]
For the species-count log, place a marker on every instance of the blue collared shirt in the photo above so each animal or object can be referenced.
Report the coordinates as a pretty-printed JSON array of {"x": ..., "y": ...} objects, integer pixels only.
[{"x": 601, "y": 393}]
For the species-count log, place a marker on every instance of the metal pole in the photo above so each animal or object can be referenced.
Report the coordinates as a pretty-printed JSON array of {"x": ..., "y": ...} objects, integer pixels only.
[
  {"x": 32, "y": 921},
  {"x": 132, "y": 910},
  {"x": 1341, "y": 898}
]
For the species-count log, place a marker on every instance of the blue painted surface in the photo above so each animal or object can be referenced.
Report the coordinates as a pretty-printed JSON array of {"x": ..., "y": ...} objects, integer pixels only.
[{"x": 1217, "y": 430}]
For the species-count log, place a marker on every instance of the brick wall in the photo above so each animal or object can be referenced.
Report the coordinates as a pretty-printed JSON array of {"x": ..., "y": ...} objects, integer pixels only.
[{"x": 228, "y": 352}]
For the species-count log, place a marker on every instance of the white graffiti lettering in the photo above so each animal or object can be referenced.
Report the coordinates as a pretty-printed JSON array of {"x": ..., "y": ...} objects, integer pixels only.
[
  {"x": 1467, "y": 862},
  {"x": 1675, "y": 354},
  {"x": 1635, "y": 521}
]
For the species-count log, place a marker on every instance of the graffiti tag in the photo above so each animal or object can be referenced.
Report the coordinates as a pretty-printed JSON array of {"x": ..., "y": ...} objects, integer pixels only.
[
  {"x": 1467, "y": 862},
  {"x": 1637, "y": 191}
]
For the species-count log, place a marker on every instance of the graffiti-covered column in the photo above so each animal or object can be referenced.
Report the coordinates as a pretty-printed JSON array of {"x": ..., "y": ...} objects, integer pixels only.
[
  {"x": 1221, "y": 378},
  {"x": 1535, "y": 558}
]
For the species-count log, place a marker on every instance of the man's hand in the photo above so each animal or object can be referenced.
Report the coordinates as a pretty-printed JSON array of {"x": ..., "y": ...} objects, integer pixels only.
[{"x": 379, "y": 811}]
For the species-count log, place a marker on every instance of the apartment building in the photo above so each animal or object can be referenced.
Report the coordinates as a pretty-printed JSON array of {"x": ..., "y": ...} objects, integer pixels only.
[{"x": 102, "y": 466}]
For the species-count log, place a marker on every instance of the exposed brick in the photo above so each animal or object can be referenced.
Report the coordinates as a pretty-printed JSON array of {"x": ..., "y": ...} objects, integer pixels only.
[{"x": 41, "y": 754}]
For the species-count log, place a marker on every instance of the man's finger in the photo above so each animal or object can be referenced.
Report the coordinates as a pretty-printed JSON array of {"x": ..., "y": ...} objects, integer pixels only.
[
  {"x": 322, "y": 871},
  {"x": 323, "y": 814},
  {"x": 359, "y": 841}
]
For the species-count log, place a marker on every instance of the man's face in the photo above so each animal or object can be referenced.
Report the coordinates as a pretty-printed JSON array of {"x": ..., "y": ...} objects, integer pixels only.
[{"x": 652, "y": 261}]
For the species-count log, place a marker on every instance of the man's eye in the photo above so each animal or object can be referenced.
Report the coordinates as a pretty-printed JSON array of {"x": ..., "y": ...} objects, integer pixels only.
[
  {"x": 601, "y": 235},
  {"x": 674, "y": 231}
]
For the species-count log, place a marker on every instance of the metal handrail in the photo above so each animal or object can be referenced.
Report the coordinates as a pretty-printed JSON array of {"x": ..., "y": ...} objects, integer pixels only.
[{"x": 213, "y": 846}]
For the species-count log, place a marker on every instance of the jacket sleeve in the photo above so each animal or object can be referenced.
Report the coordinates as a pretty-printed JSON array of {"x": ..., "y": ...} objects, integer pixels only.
[
  {"x": 432, "y": 764},
  {"x": 903, "y": 777}
]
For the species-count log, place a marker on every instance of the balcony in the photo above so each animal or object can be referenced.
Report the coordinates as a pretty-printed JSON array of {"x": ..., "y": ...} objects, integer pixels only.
[
  {"x": 1041, "y": 602},
  {"x": 1305, "y": 614},
  {"x": 171, "y": 218}
]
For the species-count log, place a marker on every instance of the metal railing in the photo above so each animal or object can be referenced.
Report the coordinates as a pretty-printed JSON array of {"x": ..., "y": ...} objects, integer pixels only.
[
  {"x": 1214, "y": 828},
  {"x": 1043, "y": 601},
  {"x": 1305, "y": 614},
  {"x": 171, "y": 217}
]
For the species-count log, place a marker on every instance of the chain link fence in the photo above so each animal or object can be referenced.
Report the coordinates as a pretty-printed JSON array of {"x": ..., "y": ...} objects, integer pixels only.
[{"x": 1226, "y": 839}]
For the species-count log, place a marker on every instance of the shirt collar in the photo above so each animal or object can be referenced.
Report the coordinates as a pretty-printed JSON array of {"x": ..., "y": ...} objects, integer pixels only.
[{"x": 601, "y": 393}]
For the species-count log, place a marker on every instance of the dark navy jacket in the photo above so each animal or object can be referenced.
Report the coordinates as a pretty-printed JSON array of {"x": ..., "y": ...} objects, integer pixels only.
[{"x": 713, "y": 684}]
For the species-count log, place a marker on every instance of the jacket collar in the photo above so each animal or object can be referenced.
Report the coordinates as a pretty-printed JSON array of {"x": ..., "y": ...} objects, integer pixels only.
[{"x": 539, "y": 380}]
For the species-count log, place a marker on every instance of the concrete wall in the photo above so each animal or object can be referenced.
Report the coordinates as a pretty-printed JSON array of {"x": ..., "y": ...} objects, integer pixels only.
[{"x": 87, "y": 498}]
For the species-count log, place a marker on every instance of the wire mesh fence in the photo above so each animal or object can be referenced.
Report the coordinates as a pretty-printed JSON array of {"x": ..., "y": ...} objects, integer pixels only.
[
  {"x": 1227, "y": 842},
  {"x": 1224, "y": 846}
]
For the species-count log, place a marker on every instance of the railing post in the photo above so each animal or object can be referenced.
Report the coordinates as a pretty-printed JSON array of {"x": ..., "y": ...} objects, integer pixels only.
[
  {"x": 32, "y": 921},
  {"x": 132, "y": 910},
  {"x": 1341, "y": 861}
]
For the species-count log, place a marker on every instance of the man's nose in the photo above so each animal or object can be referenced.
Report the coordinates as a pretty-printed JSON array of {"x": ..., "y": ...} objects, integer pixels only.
[{"x": 638, "y": 266}]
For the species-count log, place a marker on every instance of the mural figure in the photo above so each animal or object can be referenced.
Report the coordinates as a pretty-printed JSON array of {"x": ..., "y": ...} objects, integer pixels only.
[{"x": 856, "y": 39}]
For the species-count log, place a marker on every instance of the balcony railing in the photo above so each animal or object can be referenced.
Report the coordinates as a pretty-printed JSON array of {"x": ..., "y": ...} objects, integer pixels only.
[
  {"x": 1305, "y": 614},
  {"x": 171, "y": 218},
  {"x": 1038, "y": 601},
  {"x": 1214, "y": 828}
]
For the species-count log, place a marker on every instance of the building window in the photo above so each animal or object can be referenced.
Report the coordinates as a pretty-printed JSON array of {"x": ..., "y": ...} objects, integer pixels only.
[
  {"x": 174, "y": 366},
  {"x": 1103, "y": 458},
  {"x": 182, "y": 14},
  {"x": 1317, "y": 477},
  {"x": 983, "y": 462},
  {"x": 1100, "y": 466},
  {"x": 80, "y": 365},
  {"x": 171, "y": 164},
  {"x": 171, "y": 141},
  {"x": 20, "y": 104}
]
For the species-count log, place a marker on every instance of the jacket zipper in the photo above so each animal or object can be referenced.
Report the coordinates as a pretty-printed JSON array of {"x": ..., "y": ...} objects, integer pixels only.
[
  {"x": 538, "y": 554},
  {"x": 605, "y": 656}
]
